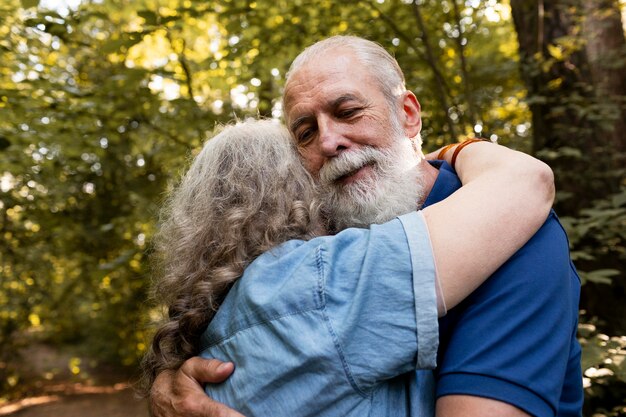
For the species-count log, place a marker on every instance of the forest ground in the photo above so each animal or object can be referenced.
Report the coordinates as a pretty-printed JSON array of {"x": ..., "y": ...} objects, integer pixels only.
[{"x": 52, "y": 390}]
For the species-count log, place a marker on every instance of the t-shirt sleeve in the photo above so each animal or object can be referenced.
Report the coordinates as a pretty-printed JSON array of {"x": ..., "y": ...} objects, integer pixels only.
[
  {"x": 379, "y": 296},
  {"x": 513, "y": 339}
]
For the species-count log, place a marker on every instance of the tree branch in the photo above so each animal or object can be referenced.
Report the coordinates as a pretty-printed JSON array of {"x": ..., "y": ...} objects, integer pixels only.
[
  {"x": 441, "y": 86},
  {"x": 391, "y": 24},
  {"x": 465, "y": 73},
  {"x": 184, "y": 65}
]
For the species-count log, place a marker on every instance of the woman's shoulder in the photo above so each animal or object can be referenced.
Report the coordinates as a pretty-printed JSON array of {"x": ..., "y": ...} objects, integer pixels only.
[{"x": 280, "y": 282}]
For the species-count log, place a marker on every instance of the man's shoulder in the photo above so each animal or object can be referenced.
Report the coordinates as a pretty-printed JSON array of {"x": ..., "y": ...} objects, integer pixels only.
[
  {"x": 545, "y": 255},
  {"x": 550, "y": 237}
]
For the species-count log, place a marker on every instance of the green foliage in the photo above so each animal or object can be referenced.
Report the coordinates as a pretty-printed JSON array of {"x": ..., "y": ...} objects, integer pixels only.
[
  {"x": 604, "y": 372},
  {"x": 100, "y": 108},
  {"x": 88, "y": 150},
  {"x": 599, "y": 234},
  {"x": 575, "y": 78},
  {"x": 29, "y": 3},
  {"x": 598, "y": 241}
]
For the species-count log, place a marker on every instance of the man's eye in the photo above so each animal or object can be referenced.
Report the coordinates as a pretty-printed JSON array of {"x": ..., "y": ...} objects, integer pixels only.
[
  {"x": 347, "y": 113},
  {"x": 304, "y": 136}
]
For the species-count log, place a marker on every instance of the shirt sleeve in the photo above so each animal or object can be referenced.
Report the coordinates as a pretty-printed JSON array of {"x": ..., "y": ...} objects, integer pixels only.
[
  {"x": 380, "y": 299},
  {"x": 514, "y": 338}
]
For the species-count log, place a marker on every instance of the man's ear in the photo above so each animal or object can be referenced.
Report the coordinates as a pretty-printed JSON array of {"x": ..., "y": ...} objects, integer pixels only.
[{"x": 412, "y": 114}]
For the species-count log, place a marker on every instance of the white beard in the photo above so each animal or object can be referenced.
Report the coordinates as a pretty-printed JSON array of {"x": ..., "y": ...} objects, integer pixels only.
[{"x": 393, "y": 187}]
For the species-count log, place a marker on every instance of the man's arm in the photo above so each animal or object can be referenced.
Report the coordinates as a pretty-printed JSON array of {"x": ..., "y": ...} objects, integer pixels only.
[
  {"x": 179, "y": 393},
  {"x": 468, "y": 406}
]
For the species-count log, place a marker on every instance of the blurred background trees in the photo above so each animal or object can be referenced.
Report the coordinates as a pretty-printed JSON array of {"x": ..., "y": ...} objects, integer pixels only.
[{"x": 102, "y": 103}]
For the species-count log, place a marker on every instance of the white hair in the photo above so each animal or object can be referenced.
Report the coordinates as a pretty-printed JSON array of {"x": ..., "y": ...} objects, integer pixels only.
[
  {"x": 383, "y": 67},
  {"x": 395, "y": 184},
  {"x": 394, "y": 187}
]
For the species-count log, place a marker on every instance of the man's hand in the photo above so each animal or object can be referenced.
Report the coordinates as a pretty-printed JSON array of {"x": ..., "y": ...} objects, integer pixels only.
[{"x": 180, "y": 393}]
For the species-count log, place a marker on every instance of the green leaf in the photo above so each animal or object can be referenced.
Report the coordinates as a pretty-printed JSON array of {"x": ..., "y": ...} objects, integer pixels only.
[
  {"x": 119, "y": 261},
  {"x": 593, "y": 355},
  {"x": 585, "y": 330},
  {"x": 30, "y": 3},
  {"x": 619, "y": 366},
  {"x": 581, "y": 256},
  {"x": 124, "y": 42},
  {"x": 555, "y": 51},
  {"x": 4, "y": 143},
  {"x": 56, "y": 29},
  {"x": 571, "y": 152},
  {"x": 150, "y": 17},
  {"x": 599, "y": 276},
  {"x": 619, "y": 200}
]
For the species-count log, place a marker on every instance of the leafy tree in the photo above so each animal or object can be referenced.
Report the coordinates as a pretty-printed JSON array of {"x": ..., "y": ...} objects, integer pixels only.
[
  {"x": 101, "y": 106},
  {"x": 87, "y": 150},
  {"x": 573, "y": 59}
]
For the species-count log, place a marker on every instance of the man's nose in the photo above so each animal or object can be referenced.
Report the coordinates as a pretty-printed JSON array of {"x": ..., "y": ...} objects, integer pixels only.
[{"x": 332, "y": 141}]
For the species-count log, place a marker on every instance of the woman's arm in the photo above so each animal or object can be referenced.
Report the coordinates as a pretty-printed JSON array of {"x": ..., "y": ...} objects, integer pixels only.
[{"x": 505, "y": 198}]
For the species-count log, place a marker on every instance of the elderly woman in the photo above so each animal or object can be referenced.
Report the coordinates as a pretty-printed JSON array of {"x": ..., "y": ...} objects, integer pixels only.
[{"x": 249, "y": 277}]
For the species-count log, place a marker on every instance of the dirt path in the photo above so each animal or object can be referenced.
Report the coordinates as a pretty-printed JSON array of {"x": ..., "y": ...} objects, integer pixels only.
[
  {"x": 52, "y": 390},
  {"x": 118, "y": 403}
]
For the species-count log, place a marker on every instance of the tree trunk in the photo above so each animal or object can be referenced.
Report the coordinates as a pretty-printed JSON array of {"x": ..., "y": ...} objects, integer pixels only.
[
  {"x": 566, "y": 120},
  {"x": 572, "y": 61},
  {"x": 605, "y": 46},
  {"x": 550, "y": 76}
]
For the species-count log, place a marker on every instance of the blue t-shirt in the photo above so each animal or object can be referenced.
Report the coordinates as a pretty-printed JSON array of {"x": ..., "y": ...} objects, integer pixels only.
[
  {"x": 321, "y": 328},
  {"x": 514, "y": 338}
]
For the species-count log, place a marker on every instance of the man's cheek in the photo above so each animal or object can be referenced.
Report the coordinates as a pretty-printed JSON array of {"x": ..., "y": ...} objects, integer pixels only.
[{"x": 311, "y": 161}]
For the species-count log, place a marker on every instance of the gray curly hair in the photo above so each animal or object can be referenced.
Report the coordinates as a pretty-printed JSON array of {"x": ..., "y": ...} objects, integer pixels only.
[{"x": 245, "y": 193}]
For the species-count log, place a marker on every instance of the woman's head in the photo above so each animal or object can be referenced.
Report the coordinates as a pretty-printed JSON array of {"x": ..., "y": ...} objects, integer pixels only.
[{"x": 244, "y": 193}]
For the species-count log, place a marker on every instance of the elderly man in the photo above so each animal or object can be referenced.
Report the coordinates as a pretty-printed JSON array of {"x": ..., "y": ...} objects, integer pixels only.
[{"x": 509, "y": 349}]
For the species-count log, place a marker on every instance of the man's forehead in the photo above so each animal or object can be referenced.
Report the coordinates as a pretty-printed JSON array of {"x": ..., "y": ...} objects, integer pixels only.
[
  {"x": 346, "y": 97},
  {"x": 323, "y": 95},
  {"x": 335, "y": 99},
  {"x": 325, "y": 72}
]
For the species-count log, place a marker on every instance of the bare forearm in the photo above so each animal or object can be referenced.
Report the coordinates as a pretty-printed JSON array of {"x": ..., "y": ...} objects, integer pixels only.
[{"x": 469, "y": 406}]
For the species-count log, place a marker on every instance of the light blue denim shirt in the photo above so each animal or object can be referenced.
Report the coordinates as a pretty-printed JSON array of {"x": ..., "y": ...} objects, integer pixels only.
[{"x": 335, "y": 326}]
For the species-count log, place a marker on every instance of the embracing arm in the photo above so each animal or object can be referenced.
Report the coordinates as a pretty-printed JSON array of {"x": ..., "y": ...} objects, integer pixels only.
[
  {"x": 505, "y": 198},
  {"x": 505, "y": 193}
]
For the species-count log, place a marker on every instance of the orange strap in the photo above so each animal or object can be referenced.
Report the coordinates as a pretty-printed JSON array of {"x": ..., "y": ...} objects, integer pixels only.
[
  {"x": 461, "y": 146},
  {"x": 444, "y": 150}
]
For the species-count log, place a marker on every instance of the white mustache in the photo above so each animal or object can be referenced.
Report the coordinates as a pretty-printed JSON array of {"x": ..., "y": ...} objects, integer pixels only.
[{"x": 347, "y": 162}]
